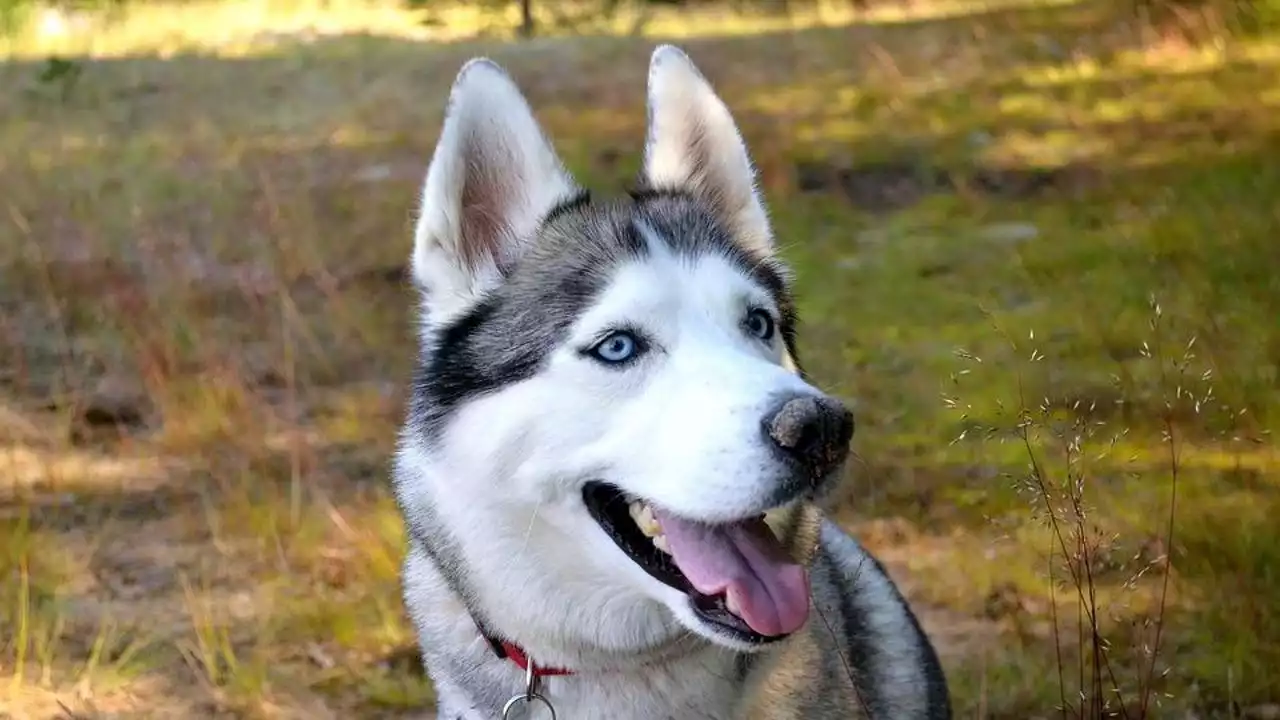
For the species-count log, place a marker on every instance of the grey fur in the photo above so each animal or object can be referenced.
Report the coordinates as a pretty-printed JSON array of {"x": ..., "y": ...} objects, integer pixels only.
[{"x": 506, "y": 335}]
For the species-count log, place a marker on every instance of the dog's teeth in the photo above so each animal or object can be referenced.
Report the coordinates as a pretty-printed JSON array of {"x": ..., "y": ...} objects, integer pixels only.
[
  {"x": 660, "y": 542},
  {"x": 643, "y": 516},
  {"x": 731, "y": 603}
]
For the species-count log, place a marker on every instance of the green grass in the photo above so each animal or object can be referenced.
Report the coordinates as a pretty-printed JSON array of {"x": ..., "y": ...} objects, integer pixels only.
[{"x": 202, "y": 234}]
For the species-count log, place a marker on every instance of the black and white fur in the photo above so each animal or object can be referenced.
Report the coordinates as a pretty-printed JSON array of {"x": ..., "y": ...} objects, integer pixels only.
[{"x": 520, "y": 271}]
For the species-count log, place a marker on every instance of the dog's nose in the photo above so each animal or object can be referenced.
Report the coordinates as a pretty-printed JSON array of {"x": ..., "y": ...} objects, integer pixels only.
[{"x": 812, "y": 430}]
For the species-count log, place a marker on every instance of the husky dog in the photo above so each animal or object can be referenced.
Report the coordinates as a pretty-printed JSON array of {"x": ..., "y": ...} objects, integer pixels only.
[{"x": 611, "y": 461}]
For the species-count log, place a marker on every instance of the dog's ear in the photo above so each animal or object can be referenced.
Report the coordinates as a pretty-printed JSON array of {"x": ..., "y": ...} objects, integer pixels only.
[
  {"x": 694, "y": 145},
  {"x": 492, "y": 178}
]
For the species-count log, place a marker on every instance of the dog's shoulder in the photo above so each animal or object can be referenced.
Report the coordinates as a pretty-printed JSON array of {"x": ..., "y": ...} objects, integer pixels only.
[
  {"x": 863, "y": 653},
  {"x": 872, "y": 647}
]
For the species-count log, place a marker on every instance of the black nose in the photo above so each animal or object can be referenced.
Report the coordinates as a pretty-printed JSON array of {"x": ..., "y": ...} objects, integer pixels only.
[{"x": 812, "y": 431}]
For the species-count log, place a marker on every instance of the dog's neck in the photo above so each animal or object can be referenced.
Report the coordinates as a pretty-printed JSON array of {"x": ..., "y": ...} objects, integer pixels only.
[
  {"x": 518, "y": 656},
  {"x": 536, "y": 604},
  {"x": 629, "y": 682},
  {"x": 563, "y": 650}
]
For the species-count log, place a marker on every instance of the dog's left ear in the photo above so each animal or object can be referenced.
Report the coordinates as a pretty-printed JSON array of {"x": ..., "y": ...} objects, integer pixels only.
[{"x": 694, "y": 145}]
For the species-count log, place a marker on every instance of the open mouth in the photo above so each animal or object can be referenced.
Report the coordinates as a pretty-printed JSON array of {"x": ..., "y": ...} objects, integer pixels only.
[{"x": 738, "y": 577}]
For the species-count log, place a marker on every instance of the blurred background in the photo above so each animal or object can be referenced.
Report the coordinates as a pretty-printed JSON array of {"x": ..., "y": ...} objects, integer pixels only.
[{"x": 1038, "y": 242}]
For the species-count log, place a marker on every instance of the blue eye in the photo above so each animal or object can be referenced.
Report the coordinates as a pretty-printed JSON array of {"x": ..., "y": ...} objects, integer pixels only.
[
  {"x": 760, "y": 324},
  {"x": 617, "y": 347}
]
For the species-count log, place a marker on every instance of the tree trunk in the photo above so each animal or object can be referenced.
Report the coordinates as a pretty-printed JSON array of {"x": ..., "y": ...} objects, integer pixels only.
[{"x": 526, "y": 18}]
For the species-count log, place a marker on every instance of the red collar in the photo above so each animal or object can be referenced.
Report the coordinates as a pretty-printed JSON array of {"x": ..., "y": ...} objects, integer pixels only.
[
  {"x": 510, "y": 651},
  {"x": 513, "y": 653}
]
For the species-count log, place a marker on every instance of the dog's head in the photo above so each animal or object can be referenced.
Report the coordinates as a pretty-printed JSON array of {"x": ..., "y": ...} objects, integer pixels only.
[{"x": 625, "y": 368}]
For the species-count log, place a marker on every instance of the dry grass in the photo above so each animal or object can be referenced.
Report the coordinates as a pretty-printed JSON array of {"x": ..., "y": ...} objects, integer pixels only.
[{"x": 205, "y": 333}]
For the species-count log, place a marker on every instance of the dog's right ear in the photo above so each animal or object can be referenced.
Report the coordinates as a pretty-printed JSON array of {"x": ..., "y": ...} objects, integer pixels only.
[{"x": 492, "y": 178}]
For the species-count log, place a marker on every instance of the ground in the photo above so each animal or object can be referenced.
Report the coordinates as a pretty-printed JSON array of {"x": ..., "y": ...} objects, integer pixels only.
[{"x": 1037, "y": 245}]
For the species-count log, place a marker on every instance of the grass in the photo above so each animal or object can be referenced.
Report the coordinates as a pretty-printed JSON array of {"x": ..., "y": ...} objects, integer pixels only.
[{"x": 204, "y": 335}]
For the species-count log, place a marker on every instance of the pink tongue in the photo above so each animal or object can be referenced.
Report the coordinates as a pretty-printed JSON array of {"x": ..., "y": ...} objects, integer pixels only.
[{"x": 743, "y": 561}]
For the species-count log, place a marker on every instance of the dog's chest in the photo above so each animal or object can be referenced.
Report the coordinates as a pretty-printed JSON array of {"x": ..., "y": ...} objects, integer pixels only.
[
  {"x": 699, "y": 696},
  {"x": 705, "y": 686},
  {"x": 699, "y": 693}
]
